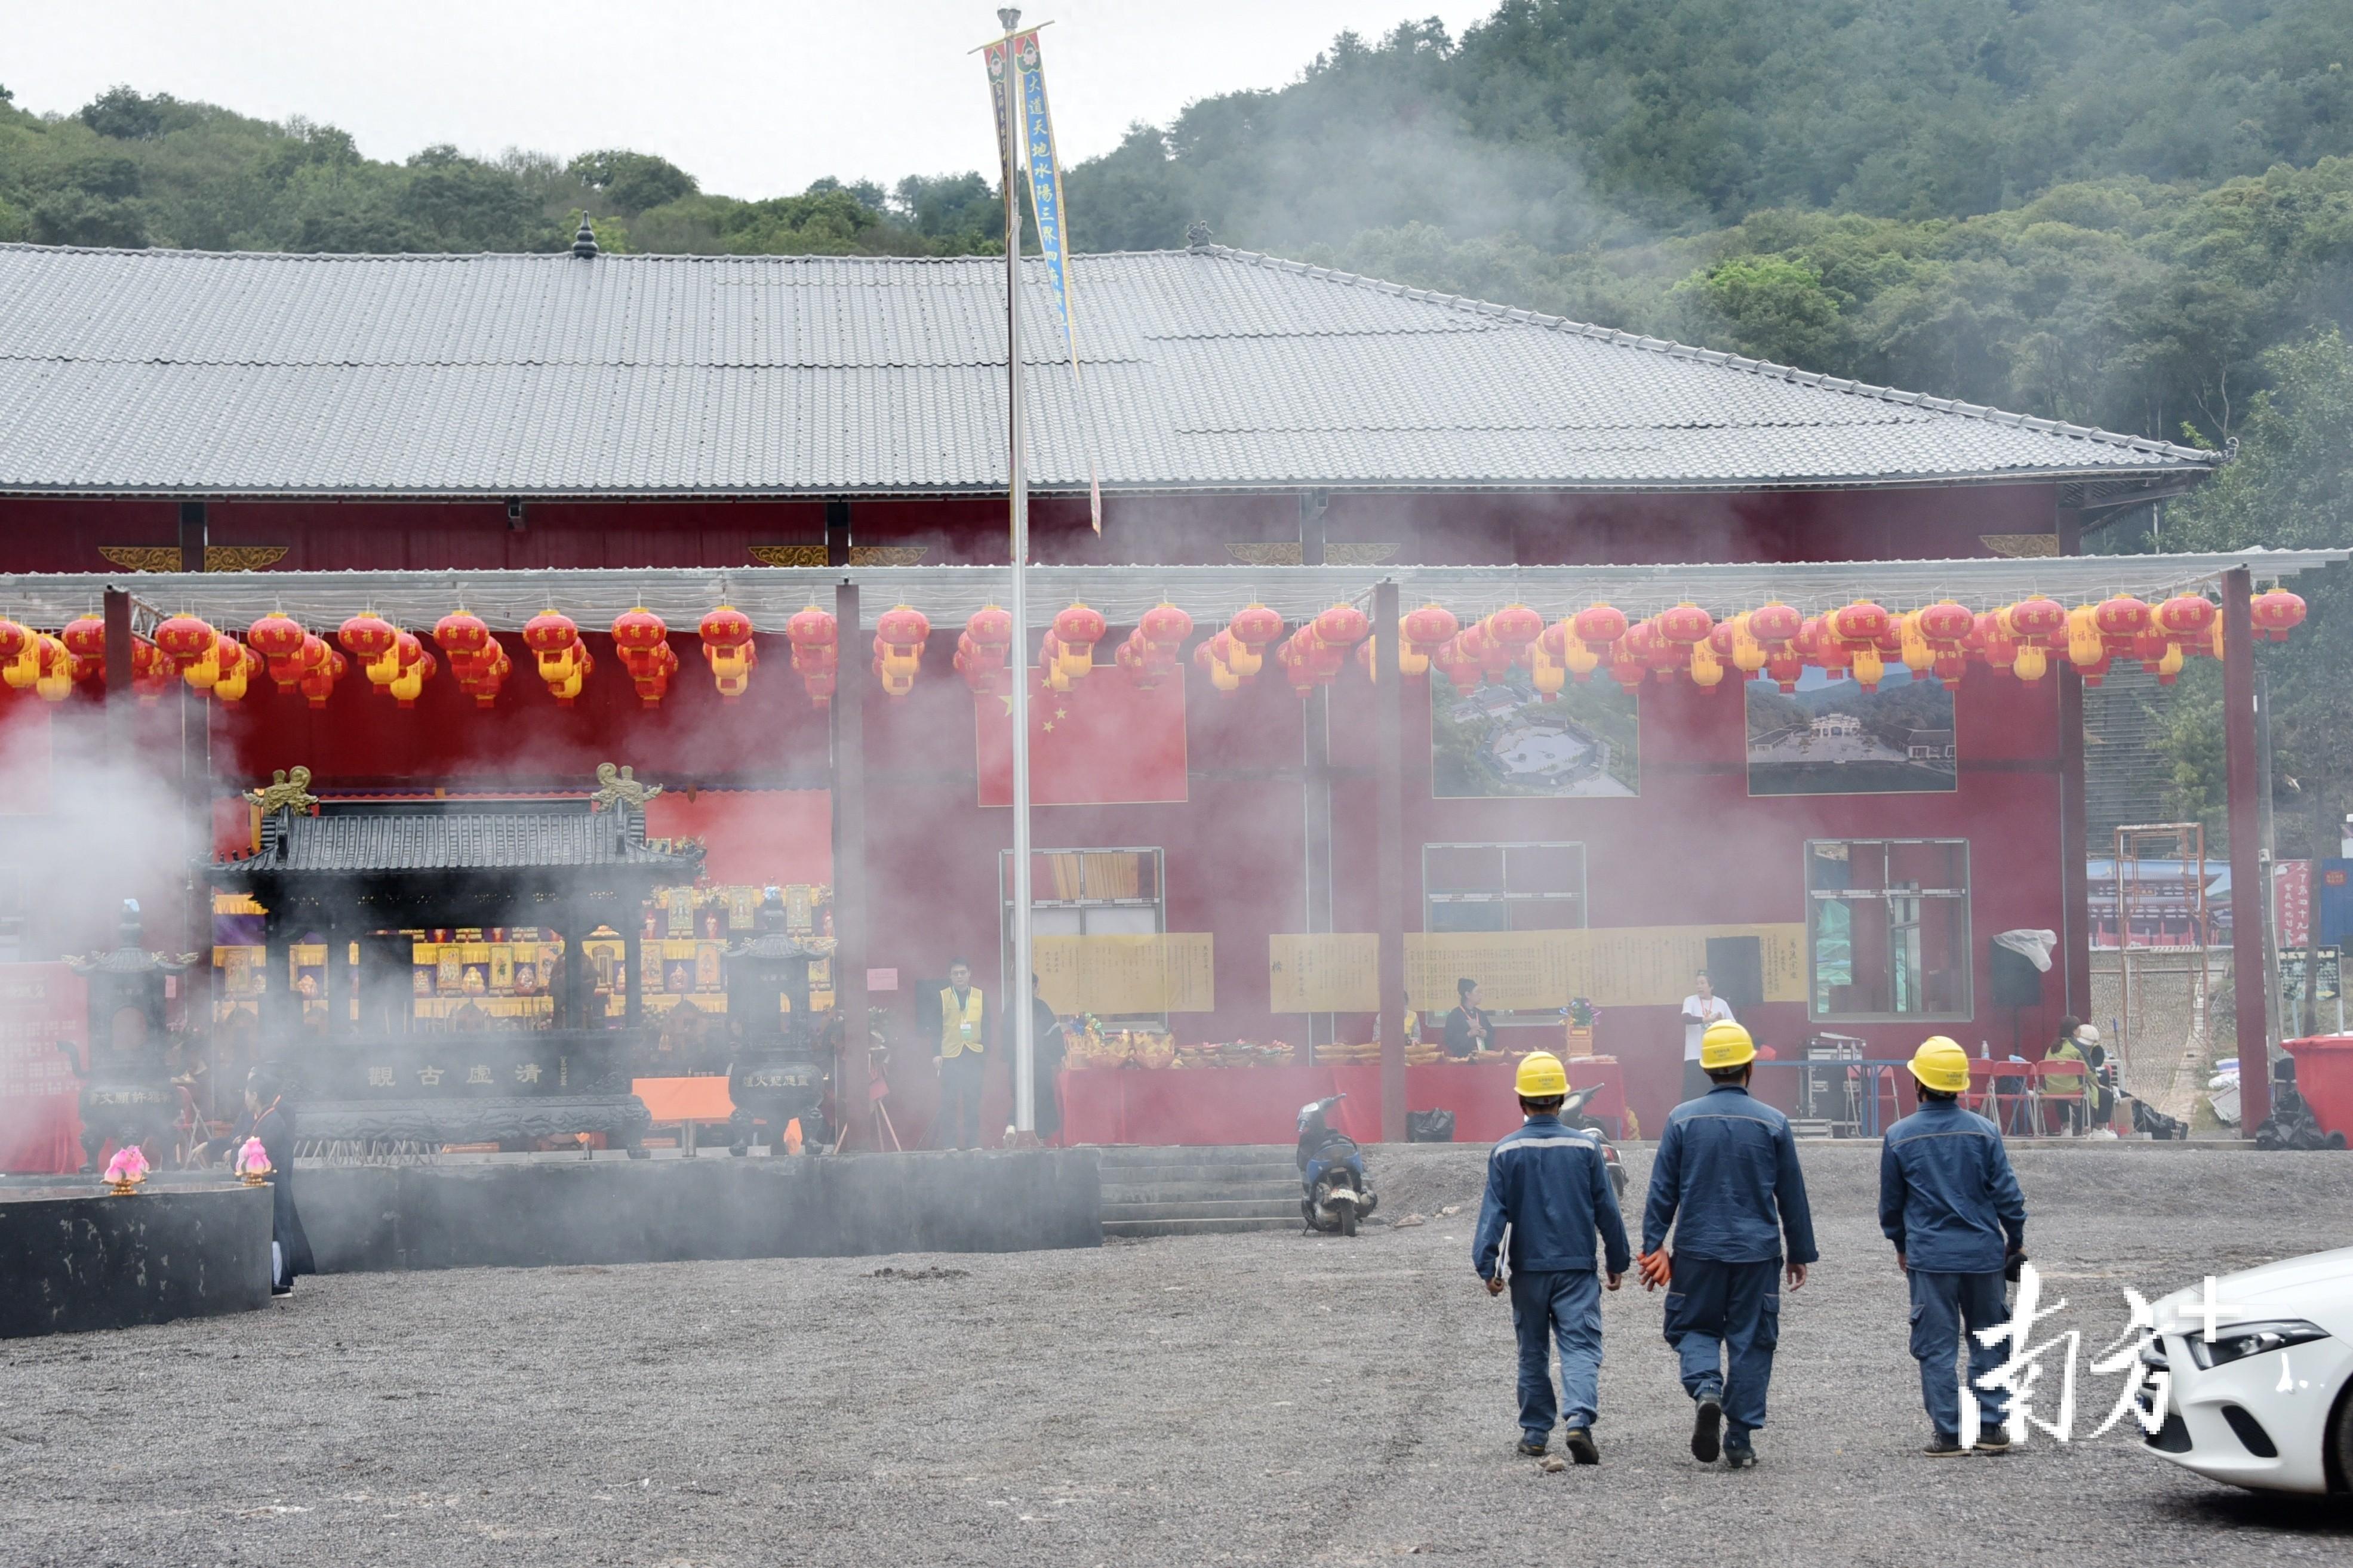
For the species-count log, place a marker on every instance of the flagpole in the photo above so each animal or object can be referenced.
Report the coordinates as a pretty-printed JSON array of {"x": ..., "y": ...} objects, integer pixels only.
[{"x": 1018, "y": 1000}]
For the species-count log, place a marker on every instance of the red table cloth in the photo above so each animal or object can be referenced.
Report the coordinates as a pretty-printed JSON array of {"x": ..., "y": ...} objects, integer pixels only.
[
  {"x": 40, "y": 1134},
  {"x": 1261, "y": 1104}
]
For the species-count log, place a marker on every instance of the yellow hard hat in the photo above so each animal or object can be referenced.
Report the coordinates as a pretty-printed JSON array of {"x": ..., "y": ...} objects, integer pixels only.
[
  {"x": 1726, "y": 1045},
  {"x": 1940, "y": 1064},
  {"x": 1540, "y": 1076}
]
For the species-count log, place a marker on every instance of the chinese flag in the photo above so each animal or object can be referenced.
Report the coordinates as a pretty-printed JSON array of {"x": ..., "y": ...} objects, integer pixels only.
[{"x": 1105, "y": 741}]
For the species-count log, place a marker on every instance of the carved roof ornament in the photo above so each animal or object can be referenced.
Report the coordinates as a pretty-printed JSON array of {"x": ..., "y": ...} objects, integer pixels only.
[
  {"x": 618, "y": 786},
  {"x": 286, "y": 787}
]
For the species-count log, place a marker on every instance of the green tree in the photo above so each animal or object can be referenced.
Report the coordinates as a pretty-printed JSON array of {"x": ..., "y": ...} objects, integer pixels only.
[{"x": 630, "y": 183}]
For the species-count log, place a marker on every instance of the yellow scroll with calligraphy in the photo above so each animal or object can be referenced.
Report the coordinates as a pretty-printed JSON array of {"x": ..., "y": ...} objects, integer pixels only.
[
  {"x": 1336, "y": 971},
  {"x": 1532, "y": 970},
  {"x": 1117, "y": 975}
]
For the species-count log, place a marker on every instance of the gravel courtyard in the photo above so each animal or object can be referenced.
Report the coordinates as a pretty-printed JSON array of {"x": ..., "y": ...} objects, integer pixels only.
[{"x": 1267, "y": 1398}]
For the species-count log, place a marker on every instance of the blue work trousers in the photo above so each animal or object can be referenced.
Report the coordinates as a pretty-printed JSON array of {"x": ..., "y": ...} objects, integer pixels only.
[
  {"x": 1563, "y": 1305},
  {"x": 1724, "y": 1319},
  {"x": 1943, "y": 1305}
]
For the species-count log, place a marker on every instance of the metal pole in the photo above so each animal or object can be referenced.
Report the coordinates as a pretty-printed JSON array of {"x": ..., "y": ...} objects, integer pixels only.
[
  {"x": 1388, "y": 842},
  {"x": 1017, "y": 1002}
]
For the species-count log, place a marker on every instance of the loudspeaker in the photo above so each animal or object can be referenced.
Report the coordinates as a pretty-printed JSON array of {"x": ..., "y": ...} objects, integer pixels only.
[{"x": 2016, "y": 982}]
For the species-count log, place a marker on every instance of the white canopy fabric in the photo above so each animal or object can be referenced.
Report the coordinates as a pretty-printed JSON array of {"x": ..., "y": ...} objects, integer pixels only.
[{"x": 948, "y": 595}]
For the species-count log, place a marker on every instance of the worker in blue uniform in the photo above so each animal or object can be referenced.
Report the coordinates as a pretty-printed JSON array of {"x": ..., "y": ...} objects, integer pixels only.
[
  {"x": 1547, "y": 1183},
  {"x": 1950, "y": 1202},
  {"x": 1727, "y": 1179}
]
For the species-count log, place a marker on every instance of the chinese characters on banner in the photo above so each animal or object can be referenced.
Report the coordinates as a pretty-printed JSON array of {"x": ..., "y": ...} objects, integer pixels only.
[{"x": 2291, "y": 902}]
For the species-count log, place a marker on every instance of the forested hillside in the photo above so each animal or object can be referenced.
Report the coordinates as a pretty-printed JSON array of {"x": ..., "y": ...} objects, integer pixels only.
[{"x": 2136, "y": 214}]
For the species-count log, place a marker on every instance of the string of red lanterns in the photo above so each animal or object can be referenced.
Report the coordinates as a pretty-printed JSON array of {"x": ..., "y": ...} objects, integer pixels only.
[{"x": 1774, "y": 642}]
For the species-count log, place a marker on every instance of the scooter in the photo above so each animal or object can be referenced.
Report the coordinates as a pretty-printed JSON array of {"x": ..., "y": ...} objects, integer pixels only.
[
  {"x": 1572, "y": 1116},
  {"x": 1336, "y": 1193}
]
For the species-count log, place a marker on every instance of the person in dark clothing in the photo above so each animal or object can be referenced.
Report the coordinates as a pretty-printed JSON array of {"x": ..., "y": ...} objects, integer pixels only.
[
  {"x": 270, "y": 1119},
  {"x": 1950, "y": 1203},
  {"x": 1047, "y": 1046},
  {"x": 1726, "y": 1178},
  {"x": 1467, "y": 1029}
]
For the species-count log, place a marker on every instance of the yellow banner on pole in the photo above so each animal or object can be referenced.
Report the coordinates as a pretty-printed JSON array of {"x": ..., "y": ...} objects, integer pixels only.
[
  {"x": 1171, "y": 973},
  {"x": 1532, "y": 970}
]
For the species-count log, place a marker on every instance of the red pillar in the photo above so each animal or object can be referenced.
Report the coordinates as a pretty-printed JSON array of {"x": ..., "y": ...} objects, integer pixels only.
[
  {"x": 2244, "y": 816},
  {"x": 2074, "y": 878},
  {"x": 1388, "y": 689}
]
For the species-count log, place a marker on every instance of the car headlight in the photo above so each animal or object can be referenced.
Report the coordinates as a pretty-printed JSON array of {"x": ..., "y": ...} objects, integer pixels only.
[{"x": 2241, "y": 1341}]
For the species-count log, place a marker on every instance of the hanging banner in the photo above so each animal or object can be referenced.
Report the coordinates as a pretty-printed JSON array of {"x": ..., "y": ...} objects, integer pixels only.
[
  {"x": 1045, "y": 169},
  {"x": 1124, "y": 975},
  {"x": 1526, "y": 971}
]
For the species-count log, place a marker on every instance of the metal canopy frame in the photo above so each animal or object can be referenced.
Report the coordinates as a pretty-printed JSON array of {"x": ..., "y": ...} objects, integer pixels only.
[{"x": 770, "y": 595}]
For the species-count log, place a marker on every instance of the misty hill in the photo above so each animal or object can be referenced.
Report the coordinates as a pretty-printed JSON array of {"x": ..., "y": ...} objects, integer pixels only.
[{"x": 1898, "y": 706}]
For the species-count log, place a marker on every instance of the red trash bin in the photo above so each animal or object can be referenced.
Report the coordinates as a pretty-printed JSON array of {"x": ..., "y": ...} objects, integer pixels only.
[{"x": 2324, "y": 1076}]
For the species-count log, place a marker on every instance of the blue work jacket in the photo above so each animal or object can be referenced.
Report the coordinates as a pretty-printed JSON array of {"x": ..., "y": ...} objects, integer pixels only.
[
  {"x": 1548, "y": 1184},
  {"x": 1726, "y": 1163},
  {"x": 1947, "y": 1197}
]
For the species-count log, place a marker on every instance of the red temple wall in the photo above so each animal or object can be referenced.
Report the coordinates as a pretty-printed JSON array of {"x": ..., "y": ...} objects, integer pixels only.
[{"x": 40, "y": 534}]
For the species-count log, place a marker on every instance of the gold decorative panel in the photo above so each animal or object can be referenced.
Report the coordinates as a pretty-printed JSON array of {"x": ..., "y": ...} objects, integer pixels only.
[
  {"x": 2020, "y": 546},
  {"x": 789, "y": 555}
]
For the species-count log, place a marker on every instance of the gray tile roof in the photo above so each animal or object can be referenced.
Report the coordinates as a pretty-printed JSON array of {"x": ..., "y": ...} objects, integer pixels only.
[
  {"x": 175, "y": 371},
  {"x": 339, "y": 843}
]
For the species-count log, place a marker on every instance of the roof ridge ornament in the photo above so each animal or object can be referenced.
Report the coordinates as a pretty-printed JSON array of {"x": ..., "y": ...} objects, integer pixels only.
[
  {"x": 1198, "y": 235},
  {"x": 584, "y": 243},
  {"x": 619, "y": 786},
  {"x": 286, "y": 787}
]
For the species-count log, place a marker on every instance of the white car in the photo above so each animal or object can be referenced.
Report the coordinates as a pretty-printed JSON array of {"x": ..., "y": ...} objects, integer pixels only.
[{"x": 2267, "y": 1401}]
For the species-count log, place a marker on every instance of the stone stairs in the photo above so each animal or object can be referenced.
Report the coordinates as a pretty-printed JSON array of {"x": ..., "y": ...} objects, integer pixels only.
[{"x": 1199, "y": 1191}]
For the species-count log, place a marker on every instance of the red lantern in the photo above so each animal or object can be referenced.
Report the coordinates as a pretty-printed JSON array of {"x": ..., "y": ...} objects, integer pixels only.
[
  {"x": 85, "y": 637},
  {"x": 15, "y": 639},
  {"x": 1951, "y": 664},
  {"x": 490, "y": 671},
  {"x": 1783, "y": 669},
  {"x": 1513, "y": 627},
  {"x": 902, "y": 626},
  {"x": 2187, "y": 618},
  {"x": 1344, "y": 626},
  {"x": 639, "y": 637},
  {"x": 1167, "y": 626},
  {"x": 1861, "y": 622},
  {"x": 2276, "y": 612},
  {"x": 1254, "y": 626},
  {"x": 2121, "y": 616},
  {"x": 990, "y": 627},
  {"x": 1685, "y": 624},
  {"x": 810, "y": 629},
  {"x": 2040, "y": 620},
  {"x": 1946, "y": 622},
  {"x": 1598, "y": 626},
  {"x": 1996, "y": 646},
  {"x": 319, "y": 675},
  {"x": 368, "y": 637},
  {"x": 464, "y": 638},
  {"x": 185, "y": 640},
  {"x": 1079, "y": 628},
  {"x": 1774, "y": 625},
  {"x": 1428, "y": 627},
  {"x": 548, "y": 632}
]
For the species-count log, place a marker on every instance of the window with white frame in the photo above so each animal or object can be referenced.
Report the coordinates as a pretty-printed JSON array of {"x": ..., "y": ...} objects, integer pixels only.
[
  {"x": 1887, "y": 928},
  {"x": 1084, "y": 892},
  {"x": 1503, "y": 886}
]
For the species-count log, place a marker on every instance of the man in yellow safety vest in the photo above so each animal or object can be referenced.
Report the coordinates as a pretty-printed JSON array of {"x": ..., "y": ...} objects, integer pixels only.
[{"x": 964, "y": 1047}]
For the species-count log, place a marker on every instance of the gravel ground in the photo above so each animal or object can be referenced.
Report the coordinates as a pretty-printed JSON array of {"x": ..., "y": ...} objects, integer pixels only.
[{"x": 1267, "y": 1398}]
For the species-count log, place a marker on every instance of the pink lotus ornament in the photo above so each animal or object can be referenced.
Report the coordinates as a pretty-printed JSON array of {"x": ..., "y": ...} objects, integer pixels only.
[
  {"x": 126, "y": 1170},
  {"x": 253, "y": 1163}
]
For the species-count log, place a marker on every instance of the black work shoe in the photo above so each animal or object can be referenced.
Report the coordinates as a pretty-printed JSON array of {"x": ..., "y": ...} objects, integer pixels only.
[
  {"x": 1579, "y": 1444},
  {"x": 1944, "y": 1446},
  {"x": 1994, "y": 1440},
  {"x": 1706, "y": 1430},
  {"x": 1739, "y": 1457},
  {"x": 1533, "y": 1447}
]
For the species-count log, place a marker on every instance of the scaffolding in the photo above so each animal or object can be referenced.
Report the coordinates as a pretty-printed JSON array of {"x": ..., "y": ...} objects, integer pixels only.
[{"x": 2164, "y": 931}]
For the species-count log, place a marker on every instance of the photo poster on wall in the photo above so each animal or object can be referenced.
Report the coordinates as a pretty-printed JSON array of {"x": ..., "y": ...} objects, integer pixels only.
[
  {"x": 1831, "y": 737},
  {"x": 1506, "y": 740}
]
